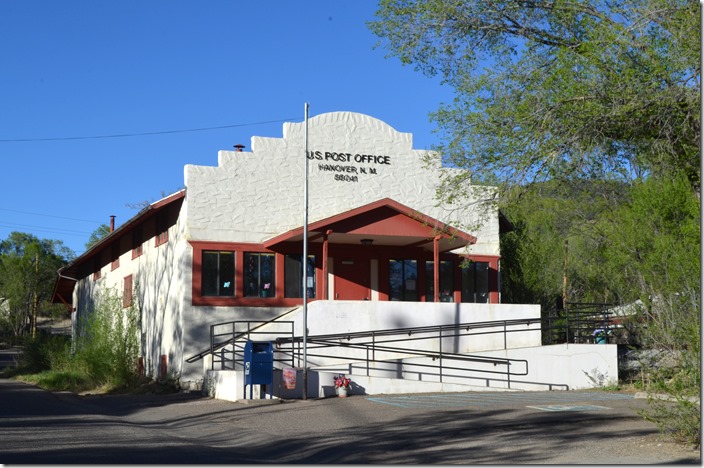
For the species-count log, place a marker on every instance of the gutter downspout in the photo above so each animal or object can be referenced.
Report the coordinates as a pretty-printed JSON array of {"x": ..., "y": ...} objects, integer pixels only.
[
  {"x": 58, "y": 272},
  {"x": 73, "y": 310}
]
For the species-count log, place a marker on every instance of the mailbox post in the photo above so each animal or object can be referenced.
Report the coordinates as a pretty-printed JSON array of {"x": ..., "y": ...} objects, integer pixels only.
[{"x": 258, "y": 364}]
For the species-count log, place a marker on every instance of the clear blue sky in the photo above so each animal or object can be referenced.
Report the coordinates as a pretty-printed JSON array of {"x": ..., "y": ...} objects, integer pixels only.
[{"x": 93, "y": 68}]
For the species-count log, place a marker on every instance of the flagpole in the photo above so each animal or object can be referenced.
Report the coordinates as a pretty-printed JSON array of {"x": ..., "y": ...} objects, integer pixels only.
[{"x": 305, "y": 261}]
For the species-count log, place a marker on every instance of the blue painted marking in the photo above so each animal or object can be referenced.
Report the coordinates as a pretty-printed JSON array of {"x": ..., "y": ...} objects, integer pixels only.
[{"x": 569, "y": 407}]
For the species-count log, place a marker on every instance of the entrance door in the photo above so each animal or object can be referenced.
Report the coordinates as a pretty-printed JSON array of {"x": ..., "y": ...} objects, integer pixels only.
[{"x": 352, "y": 279}]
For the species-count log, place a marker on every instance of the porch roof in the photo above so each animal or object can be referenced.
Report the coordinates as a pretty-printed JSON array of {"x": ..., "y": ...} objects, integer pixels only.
[{"x": 384, "y": 222}]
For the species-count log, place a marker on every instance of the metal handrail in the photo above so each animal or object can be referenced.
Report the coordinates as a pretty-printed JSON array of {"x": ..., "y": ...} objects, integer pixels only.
[
  {"x": 217, "y": 346},
  {"x": 430, "y": 328},
  {"x": 383, "y": 341},
  {"x": 371, "y": 348},
  {"x": 245, "y": 335},
  {"x": 577, "y": 322}
]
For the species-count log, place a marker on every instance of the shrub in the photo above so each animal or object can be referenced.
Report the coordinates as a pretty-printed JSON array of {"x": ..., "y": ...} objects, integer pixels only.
[
  {"x": 107, "y": 344},
  {"x": 45, "y": 352}
]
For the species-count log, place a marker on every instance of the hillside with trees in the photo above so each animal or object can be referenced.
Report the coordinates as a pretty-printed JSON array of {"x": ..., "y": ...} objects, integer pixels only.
[
  {"x": 28, "y": 267},
  {"x": 586, "y": 115}
]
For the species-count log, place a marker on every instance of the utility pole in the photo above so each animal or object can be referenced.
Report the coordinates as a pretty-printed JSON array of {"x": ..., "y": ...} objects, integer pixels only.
[
  {"x": 36, "y": 295},
  {"x": 564, "y": 295}
]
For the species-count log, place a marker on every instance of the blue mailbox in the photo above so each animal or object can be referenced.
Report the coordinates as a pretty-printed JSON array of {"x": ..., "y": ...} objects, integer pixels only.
[{"x": 258, "y": 364}]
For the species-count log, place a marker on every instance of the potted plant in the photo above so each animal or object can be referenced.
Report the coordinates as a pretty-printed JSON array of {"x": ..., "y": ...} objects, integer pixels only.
[{"x": 342, "y": 385}]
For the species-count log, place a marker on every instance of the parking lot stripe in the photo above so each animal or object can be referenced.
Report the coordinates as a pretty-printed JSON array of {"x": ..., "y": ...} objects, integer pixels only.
[
  {"x": 487, "y": 398},
  {"x": 569, "y": 407}
]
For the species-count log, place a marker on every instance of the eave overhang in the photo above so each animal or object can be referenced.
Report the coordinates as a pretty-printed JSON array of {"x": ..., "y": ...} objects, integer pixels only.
[
  {"x": 68, "y": 275},
  {"x": 385, "y": 222}
]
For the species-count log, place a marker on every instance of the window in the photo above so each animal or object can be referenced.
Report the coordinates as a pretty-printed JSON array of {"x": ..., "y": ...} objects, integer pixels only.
[
  {"x": 403, "y": 276},
  {"x": 447, "y": 281},
  {"x": 127, "y": 291},
  {"x": 162, "y": 229},
  {"x": 293, "y": 276},
  {"x": 259, "y": 274},
  {"x": 96, "y": 269},
  {"x": 475, "y": 282},
  {"x": 218, "y": 273},
  {"x": 115, "y": 255},
  {"x": 137, "y": 242}
]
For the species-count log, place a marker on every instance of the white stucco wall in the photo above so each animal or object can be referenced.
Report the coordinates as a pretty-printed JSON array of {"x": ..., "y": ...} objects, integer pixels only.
[
  {"x": 565, "y": 367},
  {"x": 578, "y": 365},
  {"x": 332, "y": 317},
  {"x": 158, "y": 286},
  {"x": 254, "y": 195},
  {"x": 350, "y": 316},
  {"x": 162, "y": 278}
]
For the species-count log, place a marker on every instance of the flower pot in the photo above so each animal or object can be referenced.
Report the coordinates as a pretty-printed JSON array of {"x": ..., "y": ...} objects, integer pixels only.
[{"x": 342, "y": 392}]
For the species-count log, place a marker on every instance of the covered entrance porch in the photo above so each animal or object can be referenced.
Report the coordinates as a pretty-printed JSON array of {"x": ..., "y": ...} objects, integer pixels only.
[{"x": 385, "y": 251}]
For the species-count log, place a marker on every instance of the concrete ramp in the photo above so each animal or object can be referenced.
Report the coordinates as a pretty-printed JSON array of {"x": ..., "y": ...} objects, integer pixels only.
[{"x": 556, "y": 367}]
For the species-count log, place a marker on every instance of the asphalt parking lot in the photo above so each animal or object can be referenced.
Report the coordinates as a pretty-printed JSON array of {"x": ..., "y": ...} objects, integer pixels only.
[{"x": 39, "y": 427}]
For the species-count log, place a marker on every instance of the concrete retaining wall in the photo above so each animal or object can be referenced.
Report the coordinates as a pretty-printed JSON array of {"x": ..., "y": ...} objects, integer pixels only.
[{"x": 576, "y": 366}]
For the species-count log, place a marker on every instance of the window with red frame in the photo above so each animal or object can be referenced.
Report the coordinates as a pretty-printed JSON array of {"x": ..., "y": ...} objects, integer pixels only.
[
  {"x": 403, "y": 278},
  {"x": 259, "y": 274},
  {"x": 127, "y": 291},
  {"x": 115, "y": 255},
  {"x": 293, "y": 276},
  {"x": 96, "y": 269},
  {"x": 475, "y": 282},
  {"x": 162, "y": 229},
  {"x": 447, "y": 281},
  {"x": 137, "y": 242},
  {"x": 218, "y": 273}
]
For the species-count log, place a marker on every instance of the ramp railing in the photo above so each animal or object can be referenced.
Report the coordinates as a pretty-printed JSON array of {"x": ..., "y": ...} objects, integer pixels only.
[{"x": 386, "y": 353}]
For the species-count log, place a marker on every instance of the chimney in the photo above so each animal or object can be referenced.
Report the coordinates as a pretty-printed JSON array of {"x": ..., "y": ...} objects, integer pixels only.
[
  {"x": 112, "y": 223},
  {"x": 239, "y": 148}
]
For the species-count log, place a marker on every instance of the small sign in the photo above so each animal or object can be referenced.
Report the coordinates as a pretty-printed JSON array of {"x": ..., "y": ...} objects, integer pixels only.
[{"x": 289, "y": 377}]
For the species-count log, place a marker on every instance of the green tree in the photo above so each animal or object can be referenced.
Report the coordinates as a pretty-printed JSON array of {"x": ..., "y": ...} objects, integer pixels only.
[
  {"x": 546, "y": 216},
  {"x": 28, "y": 267},
  {"x": 551, "y": 96},
  {"x": 654, "y": 252},
  {"x": 96, "y": 236},
  {"x": 654, "y": 240},
  {"x": 627, "y": 242},
  {"x": 553, "y": 89}
]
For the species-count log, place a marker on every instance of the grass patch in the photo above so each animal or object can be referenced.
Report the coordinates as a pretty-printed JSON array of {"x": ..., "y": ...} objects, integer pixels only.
[
  {"x": 103, "y": 358},
  {"x": 82, "y": 383},
  {"x": 67, "y": 380}
]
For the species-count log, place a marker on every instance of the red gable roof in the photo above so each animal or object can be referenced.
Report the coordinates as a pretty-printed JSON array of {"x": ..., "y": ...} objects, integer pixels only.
[{"x": 385, "y": 222}]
